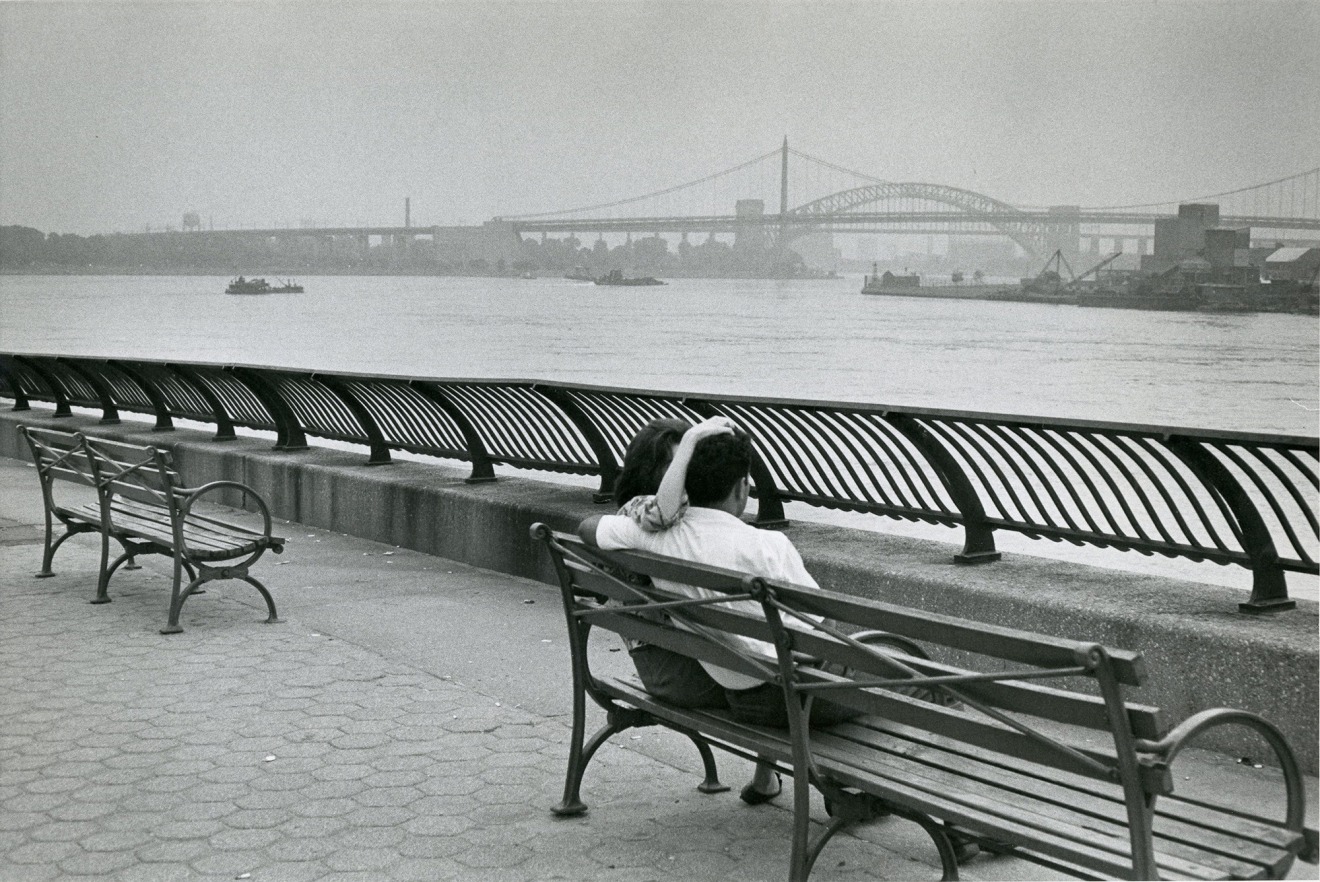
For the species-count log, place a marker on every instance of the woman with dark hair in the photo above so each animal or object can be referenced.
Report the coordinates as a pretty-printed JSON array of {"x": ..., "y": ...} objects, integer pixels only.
[{"x": 649, "y": 489}]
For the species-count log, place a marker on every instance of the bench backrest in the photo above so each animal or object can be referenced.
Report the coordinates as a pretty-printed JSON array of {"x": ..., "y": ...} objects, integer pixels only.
[
  {"x": 609, "y": 590},
  {"x": 994, "y": 682},
  {"x": 58, "y": 456},
  {"x": 136, "y": 472}
]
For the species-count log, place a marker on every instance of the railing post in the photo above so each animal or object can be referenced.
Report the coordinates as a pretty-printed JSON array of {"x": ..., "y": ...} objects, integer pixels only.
[
  {"x": 20, "y": 397},
  {"x": 224, "y": 426},
  {"x": 109, "y": 413},
  {"x": 164, "y": 423},
  {"x": 769, "y": 504},
  {"x": 482, "y": 470},
  {"x": 609, "y": 467},
  {"x": 288, "y": 434},
  {"x": 61, "y": 400},
  {"x": 1269, "y": 588},
  {"x": 978, "y": 536},
  {"x": 380, "y": 451}
]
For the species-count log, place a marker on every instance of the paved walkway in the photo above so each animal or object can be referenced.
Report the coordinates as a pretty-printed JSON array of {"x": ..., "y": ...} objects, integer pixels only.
[{"x": 407, "y": 721}]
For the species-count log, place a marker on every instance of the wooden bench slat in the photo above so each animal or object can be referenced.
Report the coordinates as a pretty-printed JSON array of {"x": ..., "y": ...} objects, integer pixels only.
[
  {"x": 1040, "y": 700},
  {"x": 1171, "y": 807},
  {"x": 991, "y": 641},
  {"x": 1237, "y": 855},
  {"x": 1098, "y": 846},
  {"x": 202, "y": 537}
]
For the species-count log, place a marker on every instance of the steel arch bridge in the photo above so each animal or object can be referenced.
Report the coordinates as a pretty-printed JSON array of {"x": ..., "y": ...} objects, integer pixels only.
[{"x": 1028, "y": 231}]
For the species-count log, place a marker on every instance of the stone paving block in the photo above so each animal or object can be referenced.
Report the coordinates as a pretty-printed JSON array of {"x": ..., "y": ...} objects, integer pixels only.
[{"x": 100, "y": 863}]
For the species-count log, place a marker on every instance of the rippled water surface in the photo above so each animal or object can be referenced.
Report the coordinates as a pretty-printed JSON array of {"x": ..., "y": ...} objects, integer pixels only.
[{"x": 810, "y": 339}]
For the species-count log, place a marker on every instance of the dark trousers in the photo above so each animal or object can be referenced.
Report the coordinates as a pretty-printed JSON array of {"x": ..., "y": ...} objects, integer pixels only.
[{"x": 682, "y": 681}]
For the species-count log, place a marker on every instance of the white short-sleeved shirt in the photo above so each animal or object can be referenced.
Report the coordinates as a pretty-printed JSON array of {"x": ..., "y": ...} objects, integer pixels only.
[{"x": 716, "y": 538}]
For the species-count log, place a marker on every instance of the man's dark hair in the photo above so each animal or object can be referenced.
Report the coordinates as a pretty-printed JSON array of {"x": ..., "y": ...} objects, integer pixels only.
[{"x": 718, "y": 463}]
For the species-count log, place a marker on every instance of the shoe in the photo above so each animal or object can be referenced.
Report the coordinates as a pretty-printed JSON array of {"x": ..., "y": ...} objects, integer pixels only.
[{"x": 752, "y": 796}]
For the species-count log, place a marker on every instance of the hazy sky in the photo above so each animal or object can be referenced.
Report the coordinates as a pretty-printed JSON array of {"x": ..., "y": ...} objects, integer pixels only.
[{"x": 118, "y": 115}]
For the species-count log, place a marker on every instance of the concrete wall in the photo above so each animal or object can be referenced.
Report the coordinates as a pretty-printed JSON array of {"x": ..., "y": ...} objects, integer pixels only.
[{"x": 1201, "y": 652}]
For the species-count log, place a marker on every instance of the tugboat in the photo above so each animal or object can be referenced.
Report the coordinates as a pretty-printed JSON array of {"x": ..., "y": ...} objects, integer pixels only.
[
  {"x": 261, "y": 286},
  {"x": 616, "y": 277}
]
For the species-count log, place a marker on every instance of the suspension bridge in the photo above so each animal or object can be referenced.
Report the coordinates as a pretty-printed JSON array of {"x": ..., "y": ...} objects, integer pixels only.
[
  {"x": 815, "y": 195},
  {"x": 785, "y": 194}
]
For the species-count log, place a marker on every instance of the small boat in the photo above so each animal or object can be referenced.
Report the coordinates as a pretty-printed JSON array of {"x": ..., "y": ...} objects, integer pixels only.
[
  {"x": 261, "y": 286},
  {"x": 889, "y": 283},
  {"x": 616, "y": 277}
]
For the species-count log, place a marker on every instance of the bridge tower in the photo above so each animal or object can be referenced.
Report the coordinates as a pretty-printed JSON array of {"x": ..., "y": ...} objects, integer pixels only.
[{"x": 783, "y": 191}]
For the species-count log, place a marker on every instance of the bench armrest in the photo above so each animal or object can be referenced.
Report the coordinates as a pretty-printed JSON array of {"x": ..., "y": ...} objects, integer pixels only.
[
  {"x": 190, "y": 495},
  {"x": 1182, "y": 735}
]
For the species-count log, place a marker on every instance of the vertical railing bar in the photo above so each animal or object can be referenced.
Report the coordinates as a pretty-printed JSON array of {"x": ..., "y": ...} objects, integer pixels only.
[
  {"x": 1001, "y": 440},
  {"x": 1310, "y": 473},
  {"x": 403, "y": 421},
  {"x": 380, "y": 451},
  {"x": 164, "y": 423},
  {"x": 288, "y": 434},
  {"x": 1033, "y": 437},
  {"x": 1133, "y": 448},
  {"x": 56, "y": 389},
  {"x": 1110, "y": 450},
  {"x": 975, "y": 461},
  {"x": 482, "y": 469},
  {"x": 554, "y": 435},
  {"x": 609, "y": 466},
  {"x": 1053, "y": 473},
  {"x": 834, "y": 472},
  {"x": 21, "y": 402},
  {"x": 982, "y": 440},
  {"x": 316, "y": 414},
  {"x": 1162, "y": 453},
  {"x": 1055, "y": 439},
  {"x": 902, "y": 449},
  {"x": 882, "y": 488},
  {"x": 617, "y": 420},
  {"x": 795, "y": 451},
  {"x": 224, "y": 426},
  {"x": 1229, "y": 454},
  {"x": 489, "y": 408},
  {"x": 1269, "y": 588},
  {"x": 978, "y": 535}
]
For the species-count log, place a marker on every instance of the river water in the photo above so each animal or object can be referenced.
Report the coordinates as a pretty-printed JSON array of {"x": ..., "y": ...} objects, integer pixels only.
[{"x": 817, "y": 339}]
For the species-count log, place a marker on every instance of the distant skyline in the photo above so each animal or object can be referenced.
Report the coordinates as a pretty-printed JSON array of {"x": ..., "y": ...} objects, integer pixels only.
[{"x": 115, "y": 116}]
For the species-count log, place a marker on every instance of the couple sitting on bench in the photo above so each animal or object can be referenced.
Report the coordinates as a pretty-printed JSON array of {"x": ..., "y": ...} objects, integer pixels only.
[{"x": 712, "y": 460}]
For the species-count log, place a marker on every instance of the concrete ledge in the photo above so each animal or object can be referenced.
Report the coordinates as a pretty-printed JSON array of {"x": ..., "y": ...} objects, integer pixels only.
[{"x": 1201, "y": 652}]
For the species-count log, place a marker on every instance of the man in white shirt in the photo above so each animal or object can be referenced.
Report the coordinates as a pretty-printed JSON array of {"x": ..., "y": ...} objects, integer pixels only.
[{"x": 712, "y": 532}]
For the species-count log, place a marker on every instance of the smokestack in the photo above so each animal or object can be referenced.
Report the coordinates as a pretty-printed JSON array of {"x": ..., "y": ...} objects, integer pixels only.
[{"x": 407, "y": 211}]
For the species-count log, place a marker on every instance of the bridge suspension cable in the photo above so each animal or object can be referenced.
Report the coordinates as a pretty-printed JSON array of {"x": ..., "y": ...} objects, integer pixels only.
[
  {"x": 604, "y": 205},
  {"x": 1309, "y": 172},
  {"x": 837, "y": 168}
]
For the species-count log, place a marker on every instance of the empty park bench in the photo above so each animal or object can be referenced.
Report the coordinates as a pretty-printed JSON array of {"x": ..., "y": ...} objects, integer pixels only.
[
  {"x": 960, "y": 732},
  {"x": 138, "y": 500}
]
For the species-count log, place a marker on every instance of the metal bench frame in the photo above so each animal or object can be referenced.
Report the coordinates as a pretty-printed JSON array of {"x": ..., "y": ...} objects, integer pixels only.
[
  {"x": 979, "y": 753},
  {"x": 143, "y": 505}
]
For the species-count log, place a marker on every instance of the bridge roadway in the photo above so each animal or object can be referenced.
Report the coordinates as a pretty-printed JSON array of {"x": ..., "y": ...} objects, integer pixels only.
[{"x": 929, "y": 221}]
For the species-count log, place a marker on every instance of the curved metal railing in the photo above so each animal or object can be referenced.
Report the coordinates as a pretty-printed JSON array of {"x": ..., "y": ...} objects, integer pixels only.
[{"x": 1237, "y": 498}]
